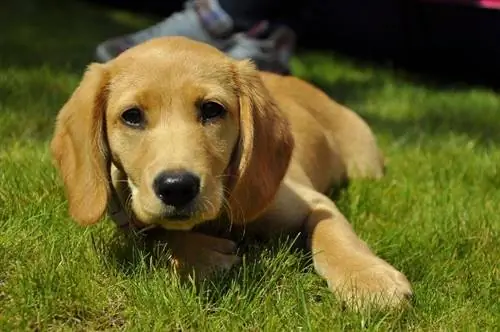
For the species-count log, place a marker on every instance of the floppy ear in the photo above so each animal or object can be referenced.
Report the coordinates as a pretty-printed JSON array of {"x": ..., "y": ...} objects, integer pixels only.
[
  {"x": 79, "y": 148},
  {"x": 264, "y": 150}
]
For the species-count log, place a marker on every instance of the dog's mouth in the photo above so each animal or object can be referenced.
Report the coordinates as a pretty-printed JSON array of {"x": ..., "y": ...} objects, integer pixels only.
[
  {"x": 177, "y": 217},
  {"x": 177, "y": 221}
]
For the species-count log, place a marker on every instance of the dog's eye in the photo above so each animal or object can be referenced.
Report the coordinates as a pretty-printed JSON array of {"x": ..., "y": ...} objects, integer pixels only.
[
  {"x": 133, "y": 117},
  {"x": 210, "y": 110}
]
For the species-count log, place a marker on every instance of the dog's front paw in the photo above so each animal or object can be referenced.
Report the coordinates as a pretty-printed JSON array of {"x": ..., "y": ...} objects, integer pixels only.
[
  {"x": 370, "y": 283},
  {"x": 202, "y": 255}
]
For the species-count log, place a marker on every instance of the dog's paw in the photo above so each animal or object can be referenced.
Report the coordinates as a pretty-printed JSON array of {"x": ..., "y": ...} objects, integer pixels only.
[
  {"x": 203, "y": 255},
  {"x": 372, "y": 284}
]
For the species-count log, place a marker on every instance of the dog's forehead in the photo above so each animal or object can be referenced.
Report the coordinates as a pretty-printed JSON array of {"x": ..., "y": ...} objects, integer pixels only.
[
  {"x": 173, "y": 45},
  {"x": 171, "y": 69},
  {"x": 175, "y": 58},
  {"x": 156, "y": 72}
]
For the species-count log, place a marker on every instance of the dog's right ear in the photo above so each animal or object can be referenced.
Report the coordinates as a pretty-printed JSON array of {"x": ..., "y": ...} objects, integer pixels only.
[
  {"x": 265, "y": 147},
  {"x": 79, "y": 147}
]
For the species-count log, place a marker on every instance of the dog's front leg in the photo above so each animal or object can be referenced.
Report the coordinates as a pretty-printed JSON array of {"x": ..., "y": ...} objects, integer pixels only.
[
  {"x": 352, "y": 270},
  {"x": 201, "y": 254}
]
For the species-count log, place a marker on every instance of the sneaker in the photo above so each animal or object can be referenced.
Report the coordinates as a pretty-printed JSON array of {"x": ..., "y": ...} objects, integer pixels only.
[
  {"x": 270, "y": 49},
  {"x": 201, "y": 20},
  {"x": 206, "y": 21}
]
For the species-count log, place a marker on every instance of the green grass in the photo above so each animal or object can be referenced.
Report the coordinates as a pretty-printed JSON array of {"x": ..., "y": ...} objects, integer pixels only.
[{"x": 434, "y": 216}]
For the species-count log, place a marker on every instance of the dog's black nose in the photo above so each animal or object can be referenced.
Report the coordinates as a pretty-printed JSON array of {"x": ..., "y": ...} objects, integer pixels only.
[{"x": 176, "y": 188}]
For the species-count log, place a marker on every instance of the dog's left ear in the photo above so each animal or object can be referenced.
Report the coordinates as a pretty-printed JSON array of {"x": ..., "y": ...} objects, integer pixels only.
[
  {"x": 264, "y": 150},
  {"x": 79, "y": 148}
]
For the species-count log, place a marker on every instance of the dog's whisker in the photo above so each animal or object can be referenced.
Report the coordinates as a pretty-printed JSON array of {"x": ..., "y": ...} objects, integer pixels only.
[
  {"x": 240, "y": 210},
  {"x": 228, "y": 207},
  {"x": 203, "y": 204},
  {"x": 128, "y": 201},
  {"x": 229, "y": 213},
  {"x": 121, "y": 181},
  {"x": 222, "y": 176}
]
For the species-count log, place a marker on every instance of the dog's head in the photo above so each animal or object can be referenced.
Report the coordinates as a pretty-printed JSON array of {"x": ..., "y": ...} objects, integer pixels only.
[{"x": 196, "y": 134}]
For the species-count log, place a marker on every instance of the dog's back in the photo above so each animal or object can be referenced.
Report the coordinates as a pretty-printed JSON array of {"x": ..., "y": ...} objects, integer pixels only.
[{"x": 319, "y": 124}]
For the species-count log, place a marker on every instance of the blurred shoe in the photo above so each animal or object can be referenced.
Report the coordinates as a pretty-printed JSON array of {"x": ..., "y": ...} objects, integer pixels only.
[
  {"x": 201, "y": 20},
  {"x": 205, "y": 21},
  {"x": 270, "y": 49}
]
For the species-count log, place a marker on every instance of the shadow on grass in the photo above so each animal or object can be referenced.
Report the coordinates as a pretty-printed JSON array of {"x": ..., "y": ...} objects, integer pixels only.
[
  {"x": 126, "y": 251},
  {"x": 59, "y": 34},
  {"x": 45, "y": 46},
  {"x": 262, "y": 262},
  {"x": 280, "y": 264},
  {"x": 441, "y": 107}
]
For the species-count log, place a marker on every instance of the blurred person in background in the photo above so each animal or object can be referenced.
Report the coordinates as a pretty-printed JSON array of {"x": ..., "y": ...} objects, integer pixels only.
[{"x": 243, "y": 29}]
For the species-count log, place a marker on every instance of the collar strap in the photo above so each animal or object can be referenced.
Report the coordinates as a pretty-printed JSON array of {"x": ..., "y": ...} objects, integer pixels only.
[{"x": 117, "y": 213}]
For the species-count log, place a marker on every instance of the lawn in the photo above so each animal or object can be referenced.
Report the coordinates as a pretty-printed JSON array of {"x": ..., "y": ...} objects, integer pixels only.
[{"x": 435, "y": 215}]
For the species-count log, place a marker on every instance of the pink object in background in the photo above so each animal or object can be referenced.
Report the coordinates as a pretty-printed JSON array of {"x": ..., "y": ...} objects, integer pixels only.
[{"x": 491, "y": 4}]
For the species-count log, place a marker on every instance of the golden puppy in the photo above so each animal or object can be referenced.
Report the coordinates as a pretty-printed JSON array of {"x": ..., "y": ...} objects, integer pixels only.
[{"x": 176, "y": 134}]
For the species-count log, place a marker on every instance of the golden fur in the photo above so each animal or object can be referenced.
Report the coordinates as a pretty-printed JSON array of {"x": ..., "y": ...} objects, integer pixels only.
[{"x": 265, "y": 166}]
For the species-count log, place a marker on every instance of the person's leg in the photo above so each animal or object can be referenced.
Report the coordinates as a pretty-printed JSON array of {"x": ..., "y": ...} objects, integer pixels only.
[
  {"x": 236, "y": 27},
  {"x": 203, "y": 21}
]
